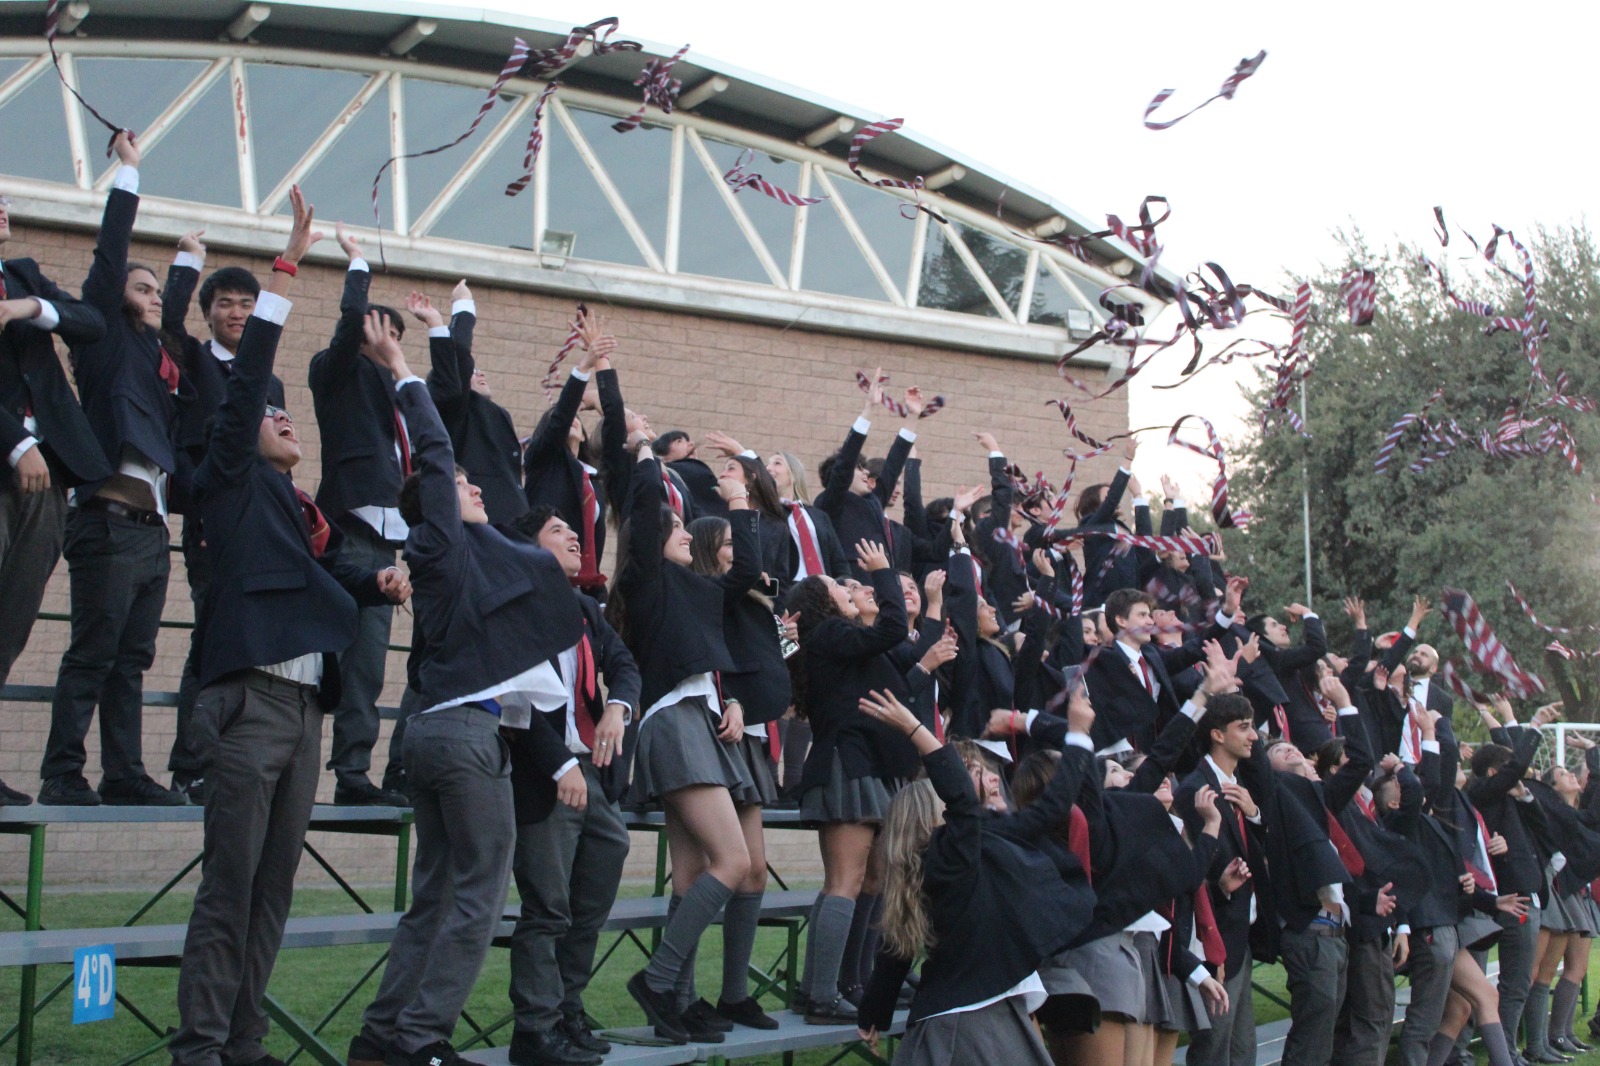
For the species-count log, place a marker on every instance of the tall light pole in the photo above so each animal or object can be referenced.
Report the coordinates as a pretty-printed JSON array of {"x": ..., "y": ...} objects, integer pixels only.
[{"x": 1305, "y": 497}]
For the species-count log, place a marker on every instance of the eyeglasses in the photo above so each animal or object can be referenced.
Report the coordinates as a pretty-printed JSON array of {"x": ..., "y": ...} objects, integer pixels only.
[
  {"x": 274, "y": 412},
  {"x": 5, "y": 201}
]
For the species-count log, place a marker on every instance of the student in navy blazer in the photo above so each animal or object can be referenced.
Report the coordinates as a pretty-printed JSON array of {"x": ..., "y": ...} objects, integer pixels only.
[
  {"x": 283, "y": 603},
  {"x": 45, "y": 439},
  {"x": 116, "y": 546},
  {"x": 494, "y": 610},
  {"x": 851, "y": 499}
]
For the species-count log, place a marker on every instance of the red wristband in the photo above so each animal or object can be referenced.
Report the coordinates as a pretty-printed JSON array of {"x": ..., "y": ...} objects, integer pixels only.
[{"x": 283, "y": 265}]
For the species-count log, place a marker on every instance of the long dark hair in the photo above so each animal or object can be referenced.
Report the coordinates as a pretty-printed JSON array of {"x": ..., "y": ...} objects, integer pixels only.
[
  {"x": 705, "y": 542},
  {"x": 763, "y": 490},
  {"x": 616, "y": 604},
  {"x": 812, "y": 601}
]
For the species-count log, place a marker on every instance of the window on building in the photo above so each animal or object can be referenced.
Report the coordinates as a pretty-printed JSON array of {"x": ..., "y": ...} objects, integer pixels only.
[
  {"x": 33, "y": 118},
  {"x": 289, "y": 109},
  {"x": 198, "y": 158}
]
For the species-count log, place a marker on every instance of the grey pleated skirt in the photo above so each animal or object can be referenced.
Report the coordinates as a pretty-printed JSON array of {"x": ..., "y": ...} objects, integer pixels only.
[
  {"x": 845, "y": 799},
  {"x": 1572, "y": 913},
  {"x": 678, "y": 748},
  {"x": 753, "y": 752},
  {"x": 1189, "y": 1014},
  {"x": 1477, "y": 928},
  {"x": 1593, "y": 910},
  {"x": 1001, "y": 1034},
  {"x": 1109, "y": 970}
]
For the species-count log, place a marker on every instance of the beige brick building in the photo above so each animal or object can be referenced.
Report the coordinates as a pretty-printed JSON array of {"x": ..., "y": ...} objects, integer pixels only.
[{"x": 767, "y": 354}]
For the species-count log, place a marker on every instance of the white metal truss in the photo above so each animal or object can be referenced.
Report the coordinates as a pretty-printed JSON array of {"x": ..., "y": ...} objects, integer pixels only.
[{"x": 818, "y": 173}]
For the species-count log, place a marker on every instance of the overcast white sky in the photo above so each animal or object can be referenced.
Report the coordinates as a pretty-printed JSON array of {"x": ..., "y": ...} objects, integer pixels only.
[{"x": 1364, "y": 115}]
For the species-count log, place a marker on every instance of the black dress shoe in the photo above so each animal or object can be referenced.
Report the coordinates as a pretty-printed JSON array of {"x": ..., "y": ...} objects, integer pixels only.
[
  {"x": 68, "y": 791},
  {"x": 364, "y": 793},
  {"x": 548, "y": 1047},
  {"x": 1569, "y": 1046},
  {"x": 1545, "y": 1055},
  {"x": 659, "y": 1009},
  {"x": 704, "y": 1025},
  {"x": 831, "y": 1012},
  {"x": 140, "y": 792},
  {"x": 746, "y": 1012},
  {"x": 575, "y": 1027},
  {"x": 10, "y": 797},
  {"x": 265, "y": 1060},
  {"x": 365, "y": 1050}
]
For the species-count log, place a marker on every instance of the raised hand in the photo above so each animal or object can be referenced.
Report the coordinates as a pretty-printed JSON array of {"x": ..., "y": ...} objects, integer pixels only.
[
  {"x": 1234, "y": 877},
  {"x": 1296, "y": 611},
  {"x": 460, "y": 292},
  {"x": 1004, "y": 723},
  {"x": 190, "y": 242},
  {"x": 1356, "y": 608},
  {"x": 940, "y": 652},
  {"x": 1250, "y": 650},
  {"x": 422, "y": 307},
  {"x": 724, "y": 444},
  {"x": 933, "y": 588},
  {"x": 1043, "y": 563},
  {"x": 986, "y": 441},
  {"x": 1334, "y": 691},
  {"x": 347, "y": 243},
  {"x": 1205, "y": 804},
  {"x": 966, "y": 497},
  {"x": 1080, "y": 712},
  {"x": 870, "y": 556},
  {"x": 301, "y": 235},
  {"x": 1169, "y": 488},
  {"x": 915, "y": 404},
  {"x": 887, "y": 709},
  {"x": 1420, "y": 609},
  {"x": 382, "y": 348},
  {"x": 1024, "y": 603},
  {"x": 126, "y": 148}
]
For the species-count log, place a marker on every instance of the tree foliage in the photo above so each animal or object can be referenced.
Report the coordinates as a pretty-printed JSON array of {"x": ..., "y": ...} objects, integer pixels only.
[{"x": 1469, "y": 521}]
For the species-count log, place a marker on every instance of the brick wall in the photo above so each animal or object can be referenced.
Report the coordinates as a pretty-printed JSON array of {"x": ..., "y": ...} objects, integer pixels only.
[{"x": 768, "y": 387}]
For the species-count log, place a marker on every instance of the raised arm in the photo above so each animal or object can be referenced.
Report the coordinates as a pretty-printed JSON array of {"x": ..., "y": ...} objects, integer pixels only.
[
  {"x": 343, "y": 354},
  {"x": 108, "y": 274},
  {"x": 893, "y": 464},
  {"x": 449, "y": 348},
  {"x": 182, "y": 277},
  {"x": 431, "y": 455}
]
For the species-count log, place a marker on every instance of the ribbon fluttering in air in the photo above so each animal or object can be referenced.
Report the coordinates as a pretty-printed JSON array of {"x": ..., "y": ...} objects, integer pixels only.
[
  {"x": 1560, "y": 631},
  {"x": 1224, "y": 518},
  {"x": 931, "y": 408},
  {"x": 1245, "y": 69},
  {"x": 535, "y": 140},
  {"x": 52, "y": 26},
  {"x": 1488, "y": 654},
  {"x": 660, "y": 88},
  {"x": 871, "y": 132},
  {"x": 1095, "y": 447},
  {"x": 738, "y": 179},
  {"x": 573, "y": 338},
  {"x": 1359, "y": 289}
]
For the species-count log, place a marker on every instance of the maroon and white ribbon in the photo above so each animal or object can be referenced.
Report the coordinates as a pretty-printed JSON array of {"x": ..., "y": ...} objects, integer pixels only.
[
  {"x": 1245, "y": 69},
  {"x": 572, "y": 341},
  {"x": 52, "y": 26},
  {"x": 514, "y": 62},
  {"x": 1095, "y": 447},
  {"x": 1359, "y": 290},
  {"x": 1220, "y": 514},
  {"x": 738, "y": 179},
  {"x": 1292, "y": 366},
  {"x": 544, "y": 62},
  {"x": 660, "y": 88},
  {"x": 1527, "y": 609},
  {"x": 871, "y": 132},
  {"x": 929, "y": 409},
  {"x": 1451, "y": 675},
  {"x": 1488, "y": 654},
  {"x": 535, "y": 140}
]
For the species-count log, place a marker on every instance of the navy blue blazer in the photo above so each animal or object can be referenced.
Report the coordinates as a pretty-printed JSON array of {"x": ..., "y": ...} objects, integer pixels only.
[
  {"x": 856, "y": 518},
  {"x": 31, "y": 378},
  {"x": 481, "y": 431},
  {"x": 270, "y": 599}
]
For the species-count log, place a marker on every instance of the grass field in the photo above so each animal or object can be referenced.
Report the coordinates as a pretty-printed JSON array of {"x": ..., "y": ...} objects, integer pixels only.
[{"x": 310, "y": 982}]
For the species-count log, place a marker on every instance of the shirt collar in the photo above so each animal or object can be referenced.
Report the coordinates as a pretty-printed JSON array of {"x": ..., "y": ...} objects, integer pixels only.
[
  {"x": 1222, "y": 778},
  {"x": 220, "y": 352},
  {"x": 1131, "y": 651}
]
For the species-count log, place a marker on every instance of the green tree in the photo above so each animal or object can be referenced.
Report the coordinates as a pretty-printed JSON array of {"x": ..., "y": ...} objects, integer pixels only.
[{"x": 1470, "y": 521}]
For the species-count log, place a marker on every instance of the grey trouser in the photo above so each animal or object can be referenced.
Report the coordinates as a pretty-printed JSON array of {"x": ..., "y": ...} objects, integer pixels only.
[
  {"x": 1519, "y": 954},
  {"x": 1315, "y": 966},
  {"x": 1433, "y": 960},
  {"x": 31, "y": 528},
  {"x": 355, "y": 720},
  {"x": 184, "y": 758},
  {"x": 460, "y": 773},
  {"x": 118, "y": 572},
  {"x": 1367, "y": 1018},
  {"x": 567, "y": 868},
  {"x": 1231, "y": 1040},
  {"x": 259, "y": 739}
]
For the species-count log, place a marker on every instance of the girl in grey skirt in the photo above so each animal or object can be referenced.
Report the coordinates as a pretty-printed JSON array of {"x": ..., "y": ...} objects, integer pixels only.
[{"x": 672, "y": 620}]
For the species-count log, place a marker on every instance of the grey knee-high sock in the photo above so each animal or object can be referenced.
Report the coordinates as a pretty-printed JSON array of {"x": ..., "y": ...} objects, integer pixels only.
[
  {"x": 698, "y": 910},
  {"x": 869, "y": 945},
  {"x": 1563, "y": 1005},
  {"x": 1493, "y": 1036},
  {"x": 855, "y": 943},
  {"x": 811, "y": 942},
  {"x": 1439, "y": 1049},
  {"x": 1536, "y": 1015},
  {"x": 831, "y": 931},
  {"x": 683, "y": 989},
  {"x": 796, "y": 741},
  {"x": 739, "y": 923}
]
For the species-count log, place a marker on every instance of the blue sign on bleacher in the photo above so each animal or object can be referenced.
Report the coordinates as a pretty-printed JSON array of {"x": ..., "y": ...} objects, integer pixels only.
[{"x": 94, "y": 983}]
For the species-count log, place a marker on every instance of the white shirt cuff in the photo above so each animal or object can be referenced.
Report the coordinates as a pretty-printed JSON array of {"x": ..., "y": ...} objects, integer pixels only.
[
  {"x": 1199, "y": 976},
  {"x": 1347, "y": 710},
  {"x": 997, "y": 455},
  {"x": 126, "y": 178},
  {"x": 408, "y": 379},
  {"x": 1308, "y": 615},
  {"x": 464, "y": 307},
  {"x": 559, "y": 774},
  {"x": 1141, "y": 501},
  {"x": 1080, "y": 740},
  {"x": 1124, "y": 470},
  {"x": 908, "y": 436},
  {"x": 579, "y": 374},
  {"x": 1253, "y": 819},
  {"x": 1191, "y": 710},
  {"x": 359, "y": 263},
  {"x": 1178, "y": 503},
  {"x": 1224, "y": 620},
  {"x": 1028, "y": 720},
  {"x": 1431, "y": 745},
  {"x": 21, "y": 449},
  {"x": 1402, "y": 930},
  {"x": 749, "y": 453},
  {"x": 439, "y": 331},
  {"x": 272, "y": 307},
  {"x": 1408, "y": 631},
  {"x": 48, "y": 317},
  {"x": 188, "y": 259},
  {"x": 862, "y": 426}
]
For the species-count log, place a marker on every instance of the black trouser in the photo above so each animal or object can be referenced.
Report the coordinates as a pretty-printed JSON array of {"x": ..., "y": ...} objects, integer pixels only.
[
  {"x": 355, "y": 720},
  {"x": 118, "y": 572},
  {"x": 197, "y": 565}
]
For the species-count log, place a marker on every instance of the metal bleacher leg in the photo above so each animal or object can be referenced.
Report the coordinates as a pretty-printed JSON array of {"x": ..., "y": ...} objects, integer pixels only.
[
  {"x": 33, "y": 921},
  {"x": 296, "y": 1030},
  {"x": 661, "y": 883}
]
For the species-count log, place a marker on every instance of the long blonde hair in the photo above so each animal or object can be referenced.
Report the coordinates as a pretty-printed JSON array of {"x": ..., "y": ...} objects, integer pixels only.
[
  {"x": 797, "y": 471},
  {"x": 913, "y": 816}
]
